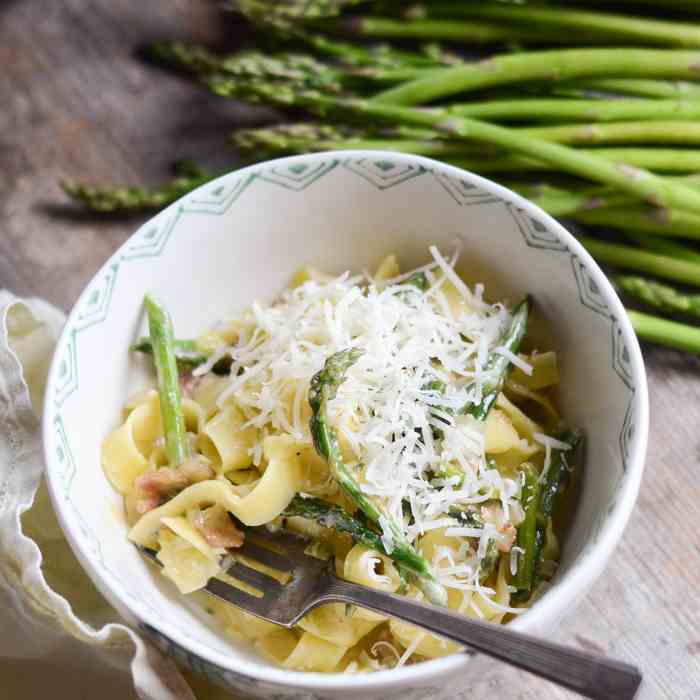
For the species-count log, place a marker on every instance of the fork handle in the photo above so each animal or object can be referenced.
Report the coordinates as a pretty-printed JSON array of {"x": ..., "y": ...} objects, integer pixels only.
[{"x": 591, "y": 675}]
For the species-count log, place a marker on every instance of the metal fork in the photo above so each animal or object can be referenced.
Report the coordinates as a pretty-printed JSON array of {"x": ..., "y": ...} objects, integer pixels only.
[{"x": 312, "y": 582}]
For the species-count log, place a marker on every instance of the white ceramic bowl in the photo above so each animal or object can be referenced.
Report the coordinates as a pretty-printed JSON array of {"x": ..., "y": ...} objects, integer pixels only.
[{"x": 242, "y": 237}]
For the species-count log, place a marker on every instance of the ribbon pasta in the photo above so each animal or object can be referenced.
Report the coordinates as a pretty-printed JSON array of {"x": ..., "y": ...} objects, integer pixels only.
[{"x": 252, "y": 453}]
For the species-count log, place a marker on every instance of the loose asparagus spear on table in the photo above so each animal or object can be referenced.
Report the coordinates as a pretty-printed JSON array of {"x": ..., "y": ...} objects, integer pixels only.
[
  {"x": 544, "y": 66},
  {"x": 660, "y": 296},
  {"x": 324, "y": 386},
  {"x": 160, "y": 327},
  {"x": 641, "y": 184}
]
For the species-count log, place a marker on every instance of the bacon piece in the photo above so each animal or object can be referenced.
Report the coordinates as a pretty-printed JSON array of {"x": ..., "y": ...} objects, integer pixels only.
[
  {"x": 155, "y": 487},
  {"x": 217, "y": 528}
]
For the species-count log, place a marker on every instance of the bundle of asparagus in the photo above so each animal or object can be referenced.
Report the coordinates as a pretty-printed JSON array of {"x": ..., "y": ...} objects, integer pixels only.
[{"x": 597, "y": 124}]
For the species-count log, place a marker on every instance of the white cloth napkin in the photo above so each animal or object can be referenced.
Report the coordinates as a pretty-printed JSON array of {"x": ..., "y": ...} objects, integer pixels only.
[{"x": 57, "y": 633}]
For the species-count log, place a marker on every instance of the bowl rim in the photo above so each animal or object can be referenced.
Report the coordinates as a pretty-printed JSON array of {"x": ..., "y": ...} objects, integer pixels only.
[{"x": 559, "y": 598}]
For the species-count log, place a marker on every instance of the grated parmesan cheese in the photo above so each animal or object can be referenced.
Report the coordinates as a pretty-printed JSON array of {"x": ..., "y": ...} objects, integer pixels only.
[{"x": 397, "y": 430}]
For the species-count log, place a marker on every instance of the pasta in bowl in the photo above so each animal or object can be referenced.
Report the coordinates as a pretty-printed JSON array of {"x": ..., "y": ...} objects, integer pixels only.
[
  {"x": 244, "y": 237},
  {"x": 402, "y": 422}
]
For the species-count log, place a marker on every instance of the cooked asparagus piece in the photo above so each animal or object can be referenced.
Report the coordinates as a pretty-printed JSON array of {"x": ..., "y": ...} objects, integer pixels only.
[
  {"x": 332, "y": 516},
  {"x": 160, "y": 327},
  {"x": 466, "y": 517},
  {"x": 557, "y": 476},
  {"x": 186, "y": 351},
  {"x": 497, "y": 365},
  {"x": 324, "y": 386},
  {"x": 660, "y": 296},
  {"x": 527, "y": 531},
  {"x": 489, "y": 560}
]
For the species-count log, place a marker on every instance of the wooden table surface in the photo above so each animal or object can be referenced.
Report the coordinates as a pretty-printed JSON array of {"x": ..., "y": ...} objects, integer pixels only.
[{"x": 76, "y": 103}]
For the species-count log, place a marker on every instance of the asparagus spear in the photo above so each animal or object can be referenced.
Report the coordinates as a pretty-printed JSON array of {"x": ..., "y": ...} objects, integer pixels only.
[
  {"x": 498, "y": 366},
  {"x": 642, "y": 184},
  {"x": 123, "y": 199},
  {"x": 630, "y": 258},
  {"x": 468, "y": 518},
  {"x": 557, "y": 476},
  {"x": 129, "y": 199},
  {"x": 652, "y": 132},
  {"x": 489, "y": 560},
  {"x": 527, "y": 531},
  {"x": 553, "y": 109},
  {"x": 664, "y": 222},
  {"x": 664, "y": 246},
  {"x": 660, "y": 296},
  {"x": 559, "y": 201},
  {"x": 471, "y": 32},
  {"x": 302, "y": 68},
  {"x": 186, "y": 351},
  {"x": 283, "y": 15},
  {"x": 663, "y": 332},
  {"x": 550, "y": 66},
  {"x": 669, "y": 160},
  {"x": 605, "y": 26},
  {"x": 160, "y": 328},
  {"x": 334, "y": 517},
  {"x": 324, "y": 386},
  {"x": 639, "y": 87}
]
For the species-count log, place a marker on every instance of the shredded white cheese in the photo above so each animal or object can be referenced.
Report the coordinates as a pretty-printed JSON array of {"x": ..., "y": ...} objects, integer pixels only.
[{"x": 397, "y": 414}]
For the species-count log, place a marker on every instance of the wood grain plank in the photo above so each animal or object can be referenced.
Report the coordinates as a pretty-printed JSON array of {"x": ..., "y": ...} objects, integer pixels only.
[{"x": 77, "y": 104}]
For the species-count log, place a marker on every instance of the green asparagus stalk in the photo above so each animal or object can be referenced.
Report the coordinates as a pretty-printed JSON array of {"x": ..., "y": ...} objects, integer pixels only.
[
  {"x": 132, "y": 199},
  {"x": 303, "y": 69},
  {"x": 547, "y": 66},
  {"x": 559, "y": 109},
  {"x": 607, "y": 27},
  {"x": 466, "y": 517},
  {"x": 662, "y": 160},
  {"x": 471, "y": 32},
  {"x": 334, "y": 517},
  {"x": 663, "y": 222},
  {"x": 527, "y": 531},
  {"x": 284, "y": 15},
  {"x": 659, "y": 296},
  {"x": 160, "y": 328},
  {"x": 383, "y": 55},
  {"x": 498, "y": 367},
  {"x": 630, "y": 258},
  {"x": 663, "y": 332},
  {"x": 664, "y": 246},
  {"x": 639, "y": 183},
  {"x": 639, "y": 87},
  {"x": 186, "y": 351},
  {"x": 662, "y": 132},
  {"x": 324, "y": 386},
  {"x": 490, "y": 560},
  {"x": 307, "y": 137},
  {"x": 559, "y": 201},
  {"x": 557, "y": 476}
]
